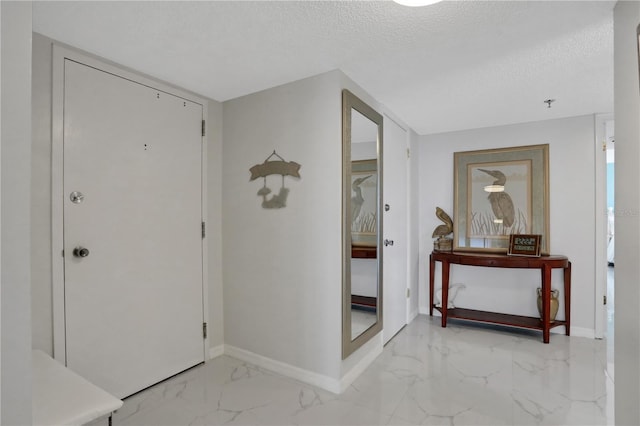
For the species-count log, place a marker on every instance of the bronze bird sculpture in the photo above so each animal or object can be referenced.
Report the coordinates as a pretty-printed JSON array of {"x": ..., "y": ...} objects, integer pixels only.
[
  {"x": 501, "y": 202},
  {"x": 442, "y": 231}
]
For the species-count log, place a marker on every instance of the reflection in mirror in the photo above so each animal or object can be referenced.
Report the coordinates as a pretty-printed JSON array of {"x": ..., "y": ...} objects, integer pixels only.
[{"x": 362, "y": 263}]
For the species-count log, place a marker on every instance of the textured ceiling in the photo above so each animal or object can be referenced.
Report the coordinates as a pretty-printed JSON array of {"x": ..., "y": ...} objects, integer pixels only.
[{"x": 450, "y": 66}]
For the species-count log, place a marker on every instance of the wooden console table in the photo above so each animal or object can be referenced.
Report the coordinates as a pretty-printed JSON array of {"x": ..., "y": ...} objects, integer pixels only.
[{"x": 544, "y": 263}]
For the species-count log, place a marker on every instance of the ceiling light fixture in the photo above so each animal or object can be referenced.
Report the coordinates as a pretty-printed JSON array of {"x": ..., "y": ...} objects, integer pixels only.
[
  {"x": 416, "y": 3},
  {"x": 494, "y": 188}
]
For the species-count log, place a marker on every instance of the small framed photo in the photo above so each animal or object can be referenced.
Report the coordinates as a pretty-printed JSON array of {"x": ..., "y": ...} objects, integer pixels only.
[{"x": 524, "y": 245}]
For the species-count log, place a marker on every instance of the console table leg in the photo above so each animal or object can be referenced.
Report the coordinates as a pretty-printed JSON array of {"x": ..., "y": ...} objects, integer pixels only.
[
  {"x": 445, "y": 291},
  {"x": 567, "y": 299},
  {"x": 432, "y": 271},
  {"x": 546, "y": 302}
]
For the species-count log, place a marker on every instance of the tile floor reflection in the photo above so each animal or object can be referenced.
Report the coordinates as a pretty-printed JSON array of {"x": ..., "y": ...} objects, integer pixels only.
[
  {"x": 427, "y": 375},
  {"x": 361, "y": 320}
]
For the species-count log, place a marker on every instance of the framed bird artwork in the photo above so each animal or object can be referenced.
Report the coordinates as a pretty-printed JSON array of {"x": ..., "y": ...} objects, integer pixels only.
[
  {"x": 500, "y": 192},
  {"x": 364, "y": 196}
]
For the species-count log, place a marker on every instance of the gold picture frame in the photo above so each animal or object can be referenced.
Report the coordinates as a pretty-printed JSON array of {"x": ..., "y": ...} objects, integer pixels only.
[{"x": 499, "y": 192}]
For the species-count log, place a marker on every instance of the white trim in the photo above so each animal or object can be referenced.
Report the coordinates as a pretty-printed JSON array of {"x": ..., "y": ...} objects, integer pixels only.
[
  {"x": 600, "y": 225},
  {"x": 424, "y": 310},
  {"x": 216, "y": 351},
  {"x": 589, "y": 333},
  {"x": 361, "y": 366},
  {"x": 57, "y": 231},
  {"x": 413, "y": 315},
  {"x": 205, "y": 241},
  {"x": 328, "y": 383},
  {"x": 59, "y": 55}
]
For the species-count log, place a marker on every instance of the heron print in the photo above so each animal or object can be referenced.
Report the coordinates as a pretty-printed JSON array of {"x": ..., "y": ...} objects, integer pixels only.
[
  {"x": 364, "y": 197},
  {"x": 500, "y": 199}
]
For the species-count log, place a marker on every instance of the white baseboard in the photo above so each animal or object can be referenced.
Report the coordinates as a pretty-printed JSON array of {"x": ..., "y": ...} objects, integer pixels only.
[
  {"x": 362, "y": 365},
  {"x": 589, "y": 333},
  {"x": 297, "y": 373},
  {"x": 216, "y": 351},
  {"x": 412, "y": 316}
]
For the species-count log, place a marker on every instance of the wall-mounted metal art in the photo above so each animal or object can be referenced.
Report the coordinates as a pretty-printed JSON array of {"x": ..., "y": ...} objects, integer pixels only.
[{"x": 274, "y": 167}]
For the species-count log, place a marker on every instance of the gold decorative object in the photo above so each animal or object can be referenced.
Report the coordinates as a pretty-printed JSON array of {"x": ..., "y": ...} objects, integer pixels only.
[
  {"x": 554, "y": 304},
  {"x": 443, "y": 242}
]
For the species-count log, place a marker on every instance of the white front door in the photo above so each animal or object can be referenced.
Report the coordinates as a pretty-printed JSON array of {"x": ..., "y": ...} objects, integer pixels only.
[
  {"x": 395, "y": 229},
  {"x": 132, "y": 188}
]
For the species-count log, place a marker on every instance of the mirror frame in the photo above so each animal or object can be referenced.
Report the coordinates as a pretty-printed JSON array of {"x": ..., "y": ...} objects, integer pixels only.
[{"x": 349, "y": 102}]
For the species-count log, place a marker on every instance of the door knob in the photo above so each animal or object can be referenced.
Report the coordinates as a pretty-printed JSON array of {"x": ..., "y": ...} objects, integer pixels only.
[
  {"x": 80, "y": 252},
  {"x": 76, "y": 197},
  {"x": 388, "y": 243}
]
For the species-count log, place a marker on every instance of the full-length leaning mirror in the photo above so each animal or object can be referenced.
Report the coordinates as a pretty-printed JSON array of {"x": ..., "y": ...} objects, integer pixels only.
[{"x": 361, "y": 223}]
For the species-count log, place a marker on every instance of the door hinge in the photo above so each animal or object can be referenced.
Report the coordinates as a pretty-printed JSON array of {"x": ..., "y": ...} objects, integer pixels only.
[
  {"x": 204, "y": 230},
  {"x": 408, "y": 153},
  {"x": 408, "y": 293},
  {"x": 204, "y": 128},
  {"x": 204, "y": 330},
  {"x": 63, "y": 253},
  {"x": 604, "y": 299}
]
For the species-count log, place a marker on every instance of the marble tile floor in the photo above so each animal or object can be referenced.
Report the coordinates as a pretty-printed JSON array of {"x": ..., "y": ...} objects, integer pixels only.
[{"x": 427, "y": 375}]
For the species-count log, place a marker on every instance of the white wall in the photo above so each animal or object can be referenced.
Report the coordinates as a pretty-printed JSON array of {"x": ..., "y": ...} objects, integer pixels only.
[
  {"x": 41, "y": 267},
  {"x": 414, "y": 259},
  {"x": 572, "y": 216},
  {"x": 15, "y": 319},
  {"x": 311, "y": 136},
  {"x": 282, "y": 268},
  {"x": 214, "y": 227},
  {"x": 627, "y": 211}
]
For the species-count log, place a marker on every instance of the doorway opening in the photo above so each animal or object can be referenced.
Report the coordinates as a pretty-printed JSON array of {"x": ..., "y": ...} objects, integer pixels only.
[{"x": 610, "y": 199}]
